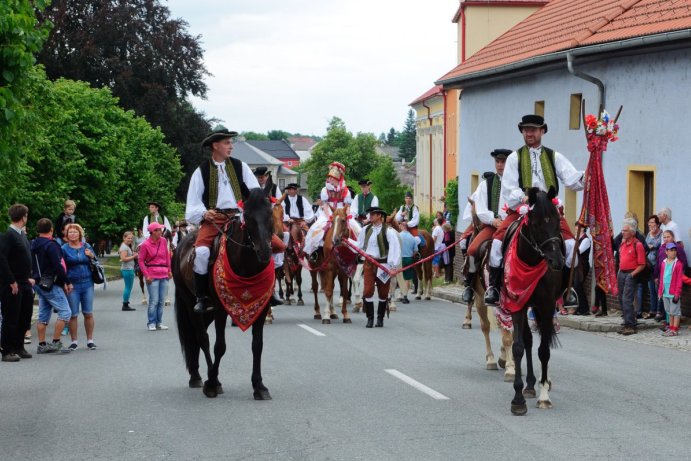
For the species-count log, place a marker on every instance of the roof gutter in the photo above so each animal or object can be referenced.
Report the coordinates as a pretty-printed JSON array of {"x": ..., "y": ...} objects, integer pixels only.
[
  {"x": 600, "y": 85},
  {"x": 551, "y": 60}
]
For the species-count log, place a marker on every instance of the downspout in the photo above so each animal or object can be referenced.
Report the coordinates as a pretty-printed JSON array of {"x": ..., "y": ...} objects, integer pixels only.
[
  {"x": 429, "y": 120},
  {"x": 444, "y": 140},
  {"x": 600, "y": 86},
  {"x": 463, "y": 33}
]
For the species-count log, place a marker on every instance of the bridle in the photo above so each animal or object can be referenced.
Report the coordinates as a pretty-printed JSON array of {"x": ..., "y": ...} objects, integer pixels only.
[
  {"x": 538, "y": 247},
  {"x": 248, "y": 238}
]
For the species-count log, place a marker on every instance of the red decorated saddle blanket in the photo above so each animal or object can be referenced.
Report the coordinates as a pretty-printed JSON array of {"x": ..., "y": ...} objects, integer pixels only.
[{"x": 243, "y": 298}]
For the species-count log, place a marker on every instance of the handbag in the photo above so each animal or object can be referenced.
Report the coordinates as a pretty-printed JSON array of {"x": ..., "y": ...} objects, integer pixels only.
[
  {"x": 45, "y": 282},
  {"x": 98, "y": 275}
]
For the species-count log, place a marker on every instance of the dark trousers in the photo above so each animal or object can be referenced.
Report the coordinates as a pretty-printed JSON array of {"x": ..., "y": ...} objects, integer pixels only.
[
  {"x": 627, "y": 289},
  {"x": 578, "y": 280},
  {"x": 16, "y": 316},
  {"x": 600, "y": 299}
]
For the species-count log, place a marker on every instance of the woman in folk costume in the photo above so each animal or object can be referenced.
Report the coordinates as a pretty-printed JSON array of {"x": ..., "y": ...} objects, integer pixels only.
[{"x": 334, "y": 195}]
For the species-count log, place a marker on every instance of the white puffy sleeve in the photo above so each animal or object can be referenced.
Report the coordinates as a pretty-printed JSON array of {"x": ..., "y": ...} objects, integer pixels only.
[{"x": 195, "y": 207}]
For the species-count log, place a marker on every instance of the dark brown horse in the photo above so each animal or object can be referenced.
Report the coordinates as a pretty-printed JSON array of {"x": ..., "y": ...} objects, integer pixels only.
[
  {"x": 291, "y": 265},
  {"x": 248, "y": 250}
]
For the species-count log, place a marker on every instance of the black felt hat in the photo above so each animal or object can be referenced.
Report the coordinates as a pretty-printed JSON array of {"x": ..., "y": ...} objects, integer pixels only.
[
  {"x": 364, "y": 182},
  {"x": 500, "y": 154},
  {"x": 260, "y": 171},
  {"x": 409, "y": 194},
  {"x": 292, "y": 185},
  {"x": 535, "y": 121},
  {"x": 217, "y": 134},
  {"x": 158, "y": 204},
  {"x": 376, "y": 209}
]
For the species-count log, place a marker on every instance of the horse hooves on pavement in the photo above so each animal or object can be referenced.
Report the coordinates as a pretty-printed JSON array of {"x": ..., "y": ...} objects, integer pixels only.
[
  {"x": 300, "y": 302},
  {"x": 195, "y": 383},
  {"x": 544, "y": 404},
  {"x": 317, "y": 316},
  {"x": 262, "y": 394},
  {"x": 418, "y": 297},
  {"x": 326, "y": 322},
  {"x": 428, "y": 298},
  {"x": 501, "y": 362},
  {"x": 509, "y": 377},
  {"x": 210, "y": 391},
  {"x": 529, "y": 393},
  {"x": 333, "y": 317},
  {"x": 492, "y": 366},
  {"x": 519, "y": 410},
  {"x": 468, "y": 326},
  {"x": 347, "y": 321},
  {"x": 288, "y": 302},
  {"x": 268, "y": 321},
  {"x": 219, "y": 389}
]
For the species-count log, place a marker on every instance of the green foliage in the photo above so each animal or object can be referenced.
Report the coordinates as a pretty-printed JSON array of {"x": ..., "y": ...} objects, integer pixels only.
[
  {"x": 252, "y": 136},
  {"x": 451, "y": 195},
  {"x": 278, "y": 135},
  {"x": 407, "y": 142},
  {"x": 426, "y": 221},
  {"x": 386, "y": 186},
  {"x": 393, "y": 138}
]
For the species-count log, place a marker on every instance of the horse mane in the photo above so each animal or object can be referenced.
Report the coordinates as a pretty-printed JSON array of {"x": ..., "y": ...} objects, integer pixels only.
[{"x": 255, "y": 200}]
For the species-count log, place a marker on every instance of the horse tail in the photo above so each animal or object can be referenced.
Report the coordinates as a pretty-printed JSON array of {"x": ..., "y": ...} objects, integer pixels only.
[{"x": 184, "y": 301}]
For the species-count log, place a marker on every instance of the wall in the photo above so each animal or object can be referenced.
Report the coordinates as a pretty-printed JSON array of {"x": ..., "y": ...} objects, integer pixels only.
[
  {"x": 486, "y": 23},
  {"x": 429, "y": 186}
]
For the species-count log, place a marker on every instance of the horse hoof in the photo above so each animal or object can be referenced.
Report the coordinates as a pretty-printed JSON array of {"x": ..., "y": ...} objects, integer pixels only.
[
  {"x": 288, "y": 302},
  {"x": 467, "y": 326},
  {"x": 262, "y": 394},
  {"x": 509, "y": 377},
  {"x": 418, "y": 297},
  {"x": 210, "y": 391},
  {"x": 195, "y": 383},
  {"x": 347, "y": 321},
  {"x": 300, "y": 302},
  {"x": 428, "y": 298},
  {"x": 317, "y": 317},
  {"x": 544, "y": 404},
  {"x": 219, "y": 389},
  {"x": 529, "y": 393},
  {"x": 268, "y": 321},
  {"x": 333, "y": 317},
  {"x": 492, "y": 366},
  {"x": 501, "y": 362},
  {"x": 519, "y": 410},
  {"x": 326, "y": 322},
  {"x": 355, "y": 310}
]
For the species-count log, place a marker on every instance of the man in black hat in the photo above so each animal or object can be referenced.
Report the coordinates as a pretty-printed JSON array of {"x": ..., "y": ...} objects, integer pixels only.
[
  {"x": 154, "y": 216},
  {"x": 266, "y": 183},
  {"x": 216, "y": 187},
  {"x": 380, "y": 242},
  {"x": 485, "y": 199},
  {"x": 409, "y": 213},
  {"x": 297, "y": 208},
  {"x": 364, "y": 200},
  {"x": 532, "y": 165}
]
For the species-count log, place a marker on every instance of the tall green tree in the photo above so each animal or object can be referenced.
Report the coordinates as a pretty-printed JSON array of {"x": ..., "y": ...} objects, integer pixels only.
[
  {"x": 386, "y": 185},
  {"x": 252, "y": 136},
  {"x": 278, "y": 135},
  {"x": 392, "y": 137},
  {"x": 407, "y": 145}
]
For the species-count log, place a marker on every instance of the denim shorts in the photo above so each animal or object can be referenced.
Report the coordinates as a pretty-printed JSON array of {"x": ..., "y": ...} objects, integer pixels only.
[
  {"x": 82, "y": 295},
  {"x": 53, "y": 299}
]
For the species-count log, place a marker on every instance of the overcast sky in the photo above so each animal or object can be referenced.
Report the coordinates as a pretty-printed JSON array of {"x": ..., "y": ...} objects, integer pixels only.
[{"x": 293, "y": 64}]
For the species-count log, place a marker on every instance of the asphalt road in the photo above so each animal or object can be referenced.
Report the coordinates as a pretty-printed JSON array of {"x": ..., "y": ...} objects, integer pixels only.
[{"x": 340, "y": 396}]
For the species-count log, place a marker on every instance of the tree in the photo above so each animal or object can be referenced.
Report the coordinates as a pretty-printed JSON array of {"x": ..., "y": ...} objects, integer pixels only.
[
  {"x": 392, "y": 137},
  {"x": 382, "y": 138},
  {"x": 252, "y": 136},
  {"x": 386, "y": 185},
  {"x": 278, "y": 135},
  {"x": 407, "y": 143}
]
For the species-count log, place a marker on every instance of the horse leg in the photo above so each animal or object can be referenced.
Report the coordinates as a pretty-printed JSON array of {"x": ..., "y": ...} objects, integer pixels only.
[
  {"x": 212, "y": 387},
  {"x": 543, "y": 353},
  {"x": 507, "y": 363},
  {"x": 392, "y": 293},
  {"x": 420, "y": 281},
  {"x": 315, "y": 290},
  {"x": 491, "y": 363},
  {"x": 467, "y": 323},
  {"x": 530, "y": 379},
  {"x": 357, "y": 288},
  {"x": 343, "y": 282},
  {"x": 518, "y": 406},
  {"x": 328, "y": 285},
  {"x": 260, "y": 391},
  {"x": 298, "y": 280},
  {"x": 141, "y": 285},
  {"x": 427, "y": 282}
]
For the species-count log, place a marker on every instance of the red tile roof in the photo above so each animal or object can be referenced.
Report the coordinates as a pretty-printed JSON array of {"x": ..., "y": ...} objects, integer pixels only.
[
  {"x": 566, "y": 24},
  {"x": 436, "y": 91}
]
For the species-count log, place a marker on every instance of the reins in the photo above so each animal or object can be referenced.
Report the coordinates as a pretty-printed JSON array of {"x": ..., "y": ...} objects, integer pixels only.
[{"x": 537, "y": 247}]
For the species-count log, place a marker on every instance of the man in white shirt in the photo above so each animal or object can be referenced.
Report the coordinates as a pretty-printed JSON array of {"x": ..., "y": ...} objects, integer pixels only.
[
  {"x": 363, "y": 201},
  {"x": 381, "y": 243},
  {"x": 533, "y": 165},
  {"x": 297, "y": 208},
  {"x": 665, "y": 217},
  {"x": 409, "y": 213},
  {"x": 266, "y": 183},
  {"x": 154, "y": 216}
]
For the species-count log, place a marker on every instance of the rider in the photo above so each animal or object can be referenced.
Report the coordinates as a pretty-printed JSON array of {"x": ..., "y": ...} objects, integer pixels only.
[
  {"x": 154, "y": 216},
  {"x": 266, "y": 183},
  {"x": 381, "y": 242},
  {"x": 409, "y": 214},
  {"x": 486, "y": 201},
  {"x": 297, "y": 208},
  {"x": 532, "y": 165},
  {"x": 215, "y": 189},
  {"x": 363, "y": 201}
]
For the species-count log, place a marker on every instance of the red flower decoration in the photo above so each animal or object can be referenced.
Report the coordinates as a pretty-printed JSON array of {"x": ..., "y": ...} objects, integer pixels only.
[
  {"x": 241, "y": 205},
  {"x": 273, "y": 199}
]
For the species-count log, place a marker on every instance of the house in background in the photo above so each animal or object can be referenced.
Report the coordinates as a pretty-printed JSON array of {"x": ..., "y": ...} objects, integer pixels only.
[
  {"x": 280, "y": 150},
  {"x": 254, "y": 157},
  {"x": 302, "y": 145},
  {"x": 478, "y": 23}
]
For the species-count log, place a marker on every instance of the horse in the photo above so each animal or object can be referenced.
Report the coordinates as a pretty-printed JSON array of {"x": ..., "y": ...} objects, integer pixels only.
[
  {"x": 279, "y": 258},
  {"x": 424, "y": 270},
  {"x": 327, "y": 269},
  {"x": 539, "y": 247},
  {"x": 291, "y": 266},
  {"x": 248, "y": 253}
]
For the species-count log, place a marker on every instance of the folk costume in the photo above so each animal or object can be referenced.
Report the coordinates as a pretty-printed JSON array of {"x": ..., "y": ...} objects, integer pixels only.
[
  {"x": 362, "y": 202},
  {"x": 270, "y": 189},
  {"x": 380, "y": 242},
  {"x": 528, "y": 167},
  {"x": 155, "y": 217},
  {"x": 334, "y": 195},
  {"x": 296, "y": 207},
  {"x": 409, "y": 214},
  {"x": 486, "y": 199}
]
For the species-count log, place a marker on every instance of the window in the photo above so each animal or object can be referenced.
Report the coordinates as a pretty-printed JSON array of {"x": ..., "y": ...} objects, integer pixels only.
[
  {"x": 570, "y": 203},
  {"x": 641, "y": 193},
  {"x": 575, "y": 111},
  {"x": 281, "y": 183},
  {"x": 474, "y": 182},
  {"x": 540, "y": 108},
  {"x": 290, "y": 163}
]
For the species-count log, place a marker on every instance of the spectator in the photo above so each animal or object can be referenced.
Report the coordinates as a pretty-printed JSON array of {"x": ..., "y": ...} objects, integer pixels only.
[
  {"x": 440, "y": 218},
  {"x": 667, "y": 237},
  {"x": 78, "y": 255},
  {"x": 66, "y": 217},
  {"x": 669, "y": 289},
  {"x": 438, "y": 238},
  {"x": 127, "y": 257},
  {"x": 631, "y": 262},
  {"x": 154, "y": 261},
  {"x": 638, "y": 302},
  {"x": 16, "y": 294},
  {"x": 409, "y": 248},
  {"x": 449, "y": 239},
  {"x": 665, "y": 216},
  {"x": 652, "y": 241},
  {"x": 47, "y": 260}
]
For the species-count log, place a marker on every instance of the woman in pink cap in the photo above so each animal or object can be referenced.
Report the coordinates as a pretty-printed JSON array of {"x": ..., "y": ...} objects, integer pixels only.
[{"x": 154, "y": 261}]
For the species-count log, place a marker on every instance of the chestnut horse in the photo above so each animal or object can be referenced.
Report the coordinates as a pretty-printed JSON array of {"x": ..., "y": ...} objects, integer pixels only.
[{"x": 291, "y": 265}]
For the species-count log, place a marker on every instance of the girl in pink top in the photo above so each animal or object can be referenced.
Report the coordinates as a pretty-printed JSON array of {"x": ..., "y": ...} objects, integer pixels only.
[{"x": 154, "y": 261}]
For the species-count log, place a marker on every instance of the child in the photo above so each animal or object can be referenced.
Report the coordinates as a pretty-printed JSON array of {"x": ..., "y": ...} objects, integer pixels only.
[
  {"x": 438, "y": 237},
  {"x": 669, "y": 289}
]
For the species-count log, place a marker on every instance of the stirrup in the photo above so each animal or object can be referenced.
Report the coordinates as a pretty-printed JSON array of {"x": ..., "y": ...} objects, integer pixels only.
[
  {"x": 202, "y": 307},
  {"x": 467, "y": 295},
  {"x": 570, "y": 298},
  {"x": 492, "y": 296}
]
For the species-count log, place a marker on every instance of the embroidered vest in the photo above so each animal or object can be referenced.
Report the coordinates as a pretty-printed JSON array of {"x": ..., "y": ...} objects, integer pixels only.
[
  {"x": 525, "y": 174},
  {"x": 493, "y": 191},
  {"x": 210, "y": 178},
  {"x": 363, "y": 203},
  {"x": 382, "y": 241},
  {"x": 158, "y": 218},
  {"x": 298, "y": 202},
  {"x": 409, "y": 211}
]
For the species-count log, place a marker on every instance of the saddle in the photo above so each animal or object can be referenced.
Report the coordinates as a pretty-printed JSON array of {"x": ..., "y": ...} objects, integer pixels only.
[{"x": 508, "y": 236}]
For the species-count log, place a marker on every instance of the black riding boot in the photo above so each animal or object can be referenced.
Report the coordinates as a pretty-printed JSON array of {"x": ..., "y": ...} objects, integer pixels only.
[
  {"x": 126, "y": 306},
  {"x": 492, "y": 293},
  {"x": 201, "y": 290},
  {"x": 368, "y": 307},
  {"x": 275, "y": 300},
  {"x": 381, "y": 310},
  {"x": 467, "y": 295},
  {"x": 570, "y": 298},
  {"x": 415, "y": 284}
]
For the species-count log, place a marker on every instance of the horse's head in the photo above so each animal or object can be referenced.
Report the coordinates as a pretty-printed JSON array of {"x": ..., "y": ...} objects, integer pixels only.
[
  {"x": 544, "y": 231},
  {"x": 340, "y": 226},
  {"x": 259, "y": 224},
  {"x": 277, "y": 218}
]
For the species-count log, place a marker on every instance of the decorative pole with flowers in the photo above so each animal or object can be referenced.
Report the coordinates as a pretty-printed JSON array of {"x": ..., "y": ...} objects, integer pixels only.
[{"x": 596, "y": 214}]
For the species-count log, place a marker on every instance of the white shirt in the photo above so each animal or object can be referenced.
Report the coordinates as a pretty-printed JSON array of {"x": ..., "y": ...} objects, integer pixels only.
[
  {"x": 511, "y": 192},
  {"x": 354, "y": 207},
  {"x": 226, "y": 199},
  {"x": 412, "y": 222},
  {"x": 145, "y": 224},
  {"x": 325, "y": 198},
  {"x": 484, "y": 214},
  {"x": 372, "y": 249},
  {"x": 295, "y": 212},
  {"x": 438, "y": 236},
  {"x": 674, "y": 227}
]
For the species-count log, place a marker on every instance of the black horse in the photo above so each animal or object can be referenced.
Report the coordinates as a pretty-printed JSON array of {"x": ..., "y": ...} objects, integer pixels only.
[
  {"x": 538, "y": 240},
  {"x": 248, "y": 250}
]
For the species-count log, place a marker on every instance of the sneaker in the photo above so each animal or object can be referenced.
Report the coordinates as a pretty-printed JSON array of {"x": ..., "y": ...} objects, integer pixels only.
[
  {"x": 46, "y": 348},
  {"x": 23, "y": 354},
  {"x": 161, "y": 326},
  {"x": 91, "y": 346},
  {"x": 10, "y": 358},
  {"x": 73, "y": 347},
  {"x": 60, "y": 348},
  {"x": 670, "y": 332},
  {"x": 151, "y": 327}
]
